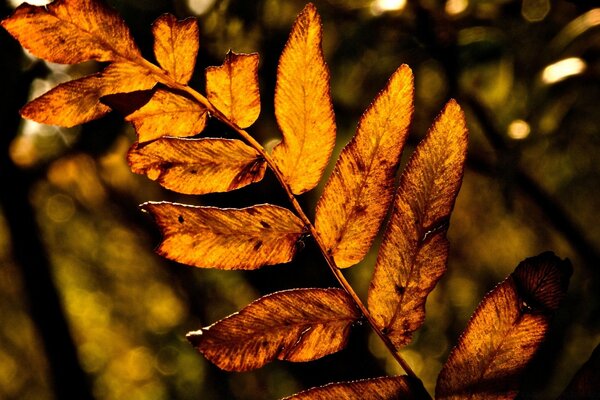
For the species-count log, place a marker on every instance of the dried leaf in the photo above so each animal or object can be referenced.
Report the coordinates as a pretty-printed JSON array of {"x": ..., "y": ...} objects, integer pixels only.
[
  {"x": 176, "y": 46},
  {"x": 211, "y": 237},
  {"x": 198, "y": 166},
  {"x": 78, "y": 101},
  {"x": 233, "y": 88},
  {"x": 359, "y": 191},
  {"x": 293, "y": 325},
  {"x": 168, "y": 114},
  {"x": 72, "y": 31},
  {"x": 586, "y": 382},
  {"x": 505, "y": 331},
  {"x": 303, "y": 105},
  {"x": 414, "y": 250},
  {"x": 387, "y": 388}
]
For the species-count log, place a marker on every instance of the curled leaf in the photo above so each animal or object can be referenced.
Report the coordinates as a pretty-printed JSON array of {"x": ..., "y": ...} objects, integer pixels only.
[
  {"x": 198, "y": 166},
  {"x": 211, "y": 237},
  {"x": 414, "y": 250},
  {"x": 168, "y": 114},
  {"x": 176, "y": 46},
  {"x": 386, "y": 388},
  {"x": 505, "y": 331},
  {"x": 78, "y": 101},
  {"x": 233, "y": 88},
  {"x": 303, "y": 105},
  {"x": 293, "y": 325},
  {"x": 72, "y": 31},
  {"x": 360, "y": 189}
]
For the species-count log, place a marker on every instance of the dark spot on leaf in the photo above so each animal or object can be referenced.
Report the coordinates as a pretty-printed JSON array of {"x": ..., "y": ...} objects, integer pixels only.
[
  {"x": 385, "y": 330},
  {"x": 180, "y": 219},
  {"x": 265, "y": 224},
  {"x": 400, "y": 289},
  {"x": 258, "y": 245}
]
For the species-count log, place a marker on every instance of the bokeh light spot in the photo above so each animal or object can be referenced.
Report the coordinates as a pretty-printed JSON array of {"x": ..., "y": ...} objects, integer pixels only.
[
  {"x": 563, "y": 69},
  {"x": 518, "y": 129}
]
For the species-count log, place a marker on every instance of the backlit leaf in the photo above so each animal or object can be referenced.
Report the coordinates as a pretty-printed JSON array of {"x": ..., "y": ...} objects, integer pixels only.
[
  {"x": 360, "y": 189},
  {"x": 198, "y": 166},
  {"x": 387, "y": 388},
  {"x": 233, "y": 88},
  {"x": 72, "y": 31},
  {"x": 211, "y": 237},
  {"x": 78, "y": 101},
  {"x": 505, "y": 331},
  {"x": 168, "y": 114},
  {"x": 293, "y": 325},
  {"x": 414, "y": 250},
  {"x": 586, "y": 382},
  {"x": 176, "y": 46},
  {"x": 303, "y": 105}
]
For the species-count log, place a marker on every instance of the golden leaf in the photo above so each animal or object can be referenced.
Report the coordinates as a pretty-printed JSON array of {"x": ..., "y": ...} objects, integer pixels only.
[
  {"x": 360, "y": 189},
  {"x": 198, "y": 166},
  {"x": 176, "y": 46},
  {"x": 414, "y": 250},
  {"x": 210, "y": 237},
  {"x": 505, "y": 331},
  {"x": 78, "y": 101},
  {"x": 233, "y": 88},
  {"x": 72, "y": 31},
  {"x": 168, "y": 114},
  {"x": 386, "y": 388},
  {"x": 303, "y": 105},
  {"x": 293, "y": 325}
]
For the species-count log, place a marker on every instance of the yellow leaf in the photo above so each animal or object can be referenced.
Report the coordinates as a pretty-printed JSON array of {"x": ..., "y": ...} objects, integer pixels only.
[
  {"x": 386, "y": 388},
  {"x": 168, "y": 114},
  {"x": 72, "y": 31},
  {"x": 233, "y": 88},
  {"x": 414, "y": 250},
  {"x": 293, "y": 325},
  {"x": 303, "y": 105},
  {"x": 210, "y": 237},
  {"x": 198, "y": 166},
  {"x": 176, "y": 46},
  {"x": 78, "y": 101},
  {"x": 360, "y": 189},
  {"x": 505, "y": 331}
]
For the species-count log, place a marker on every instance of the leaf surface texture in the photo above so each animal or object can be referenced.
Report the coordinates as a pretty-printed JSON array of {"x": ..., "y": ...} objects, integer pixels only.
[
  {"x": 386, "y": 388},
  {"x": 293, "y": 325},
  {"x": 176, "y": 46},
  {"x": 414, "y": 250}
]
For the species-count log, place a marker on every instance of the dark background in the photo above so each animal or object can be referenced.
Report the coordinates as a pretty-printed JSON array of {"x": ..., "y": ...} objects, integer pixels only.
[{"x": 89, "y": 311}]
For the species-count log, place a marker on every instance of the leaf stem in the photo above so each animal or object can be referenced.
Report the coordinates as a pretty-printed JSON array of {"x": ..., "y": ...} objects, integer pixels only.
[{"x": 169, "y": 81}]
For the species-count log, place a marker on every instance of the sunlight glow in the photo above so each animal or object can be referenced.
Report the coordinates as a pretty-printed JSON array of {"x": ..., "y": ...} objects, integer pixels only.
[
  {"x": 199, "y": 7},
  {"x": 17, "y": 3},
  {"x": 518, "y": 129},
  {"x": 563, "y": 69},
  {"x": 381, "y": 6},
  {"x": 455, "y": 7}
]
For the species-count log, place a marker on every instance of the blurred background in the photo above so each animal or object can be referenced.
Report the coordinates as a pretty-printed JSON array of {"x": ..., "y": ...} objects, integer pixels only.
[{"x": 89, "y": 311}]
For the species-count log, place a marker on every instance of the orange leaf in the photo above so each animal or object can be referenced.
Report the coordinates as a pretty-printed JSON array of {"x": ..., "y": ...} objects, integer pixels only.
[
  {"x": 210, "y": 237},
  {"x": 176, "y": 46},
  {"x": 586, "y": 382},
  {"x": 233, "y": 88},
  {"x": 78, "y": 101},
  {"x": 505, "y": 331},
  {"x": 72, "y": 31},
  {"x": 303, "y": 105},
  {"x": 198, "y": 166},
  {"x": 293, "y": 325},
  {"x": 168, "y": 114},
  {"x": 386, "y": 388},
  {"x": 414, "y": 250},
  {"x": 360, "y": 189}
]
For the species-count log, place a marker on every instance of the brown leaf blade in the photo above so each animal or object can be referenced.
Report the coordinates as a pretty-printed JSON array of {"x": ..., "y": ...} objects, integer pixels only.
[
  {"x": 78, "y": 101},
  {"x": 294, "y": 325},
  {"x": 198, "y": 166},
  {"x": 586, "y": 382},
  {"x": 385, "y": 388},
  {"x": 360, "y": 189},
  {"x": 303, "y": 105},
  {"x": 414, "y": 250},
  {"x": 233, "y": 88},
  {"x": 72, "y": 31},
  {"x": 505, "y": 331},
  {"x": 226, "y": 238},
  {"x": 168, "y": 114},
  {"x": 176, "y": 46}
]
